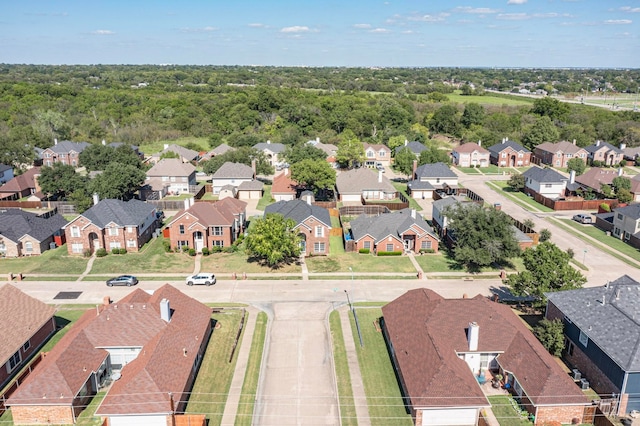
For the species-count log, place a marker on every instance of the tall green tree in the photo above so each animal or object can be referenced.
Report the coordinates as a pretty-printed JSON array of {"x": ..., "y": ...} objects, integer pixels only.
[
  {"x": 350, "y": 152},
  {"x": 273, "y": 241},
  {"x": 60, "y": 180},
  {"x": 516, "y": 182},
  {"x": 403, "y": 162},
  {"x": 97, "y": 157},
  {"x": 482, "y": 236},
  {"x": 303, "y": 151},
  {"x": 242, "y": 155},
  {"x": 117, "y": 181},
  {"x": 314, "y": 174},
  {"x": 548, "y": 269},
  {"x": 473, "y": 114},
  {"x": 396, "y": 141},
  {"x": 576, "y": 164},
  {"x": 446, "y": 120},
  {"x": 550, "y": 107},
  {"x": 543, "y": 130},
  {"x": 433, "y": 155},
  {"x": 551, "y": 335}
]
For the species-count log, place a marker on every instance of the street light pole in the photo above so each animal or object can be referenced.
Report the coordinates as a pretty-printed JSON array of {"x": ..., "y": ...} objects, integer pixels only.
[{"x": 584, "y": 256}]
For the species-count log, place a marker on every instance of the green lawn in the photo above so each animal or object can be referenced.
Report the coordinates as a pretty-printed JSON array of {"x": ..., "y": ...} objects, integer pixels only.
[
  {"x": 469, "y": 170},
  {"x": 345, "y": 391},
  {"x": 335, "y": 222},
  {"x": 87, "y": 418},
  {"x": 209, "y": 196},
  {"x": 402, "y": 188},
  {"x": 238, "y": 262},
  {"x": 520, "y": 198},
  {"x": 505, "y": 413},
  {"x": 443, "y": 262},
  {"x": 177, "y": 197},
  {"x": 266, "y": 198},
  {"x": 336, "y": 246},
  {"x": 361, "y": 263},
  {"x": 152, "y": 258},
  {"x": 252, "y": 375},
  {"x": 158, "y": 146},
  {"x": 384, "y": 399},
  {"x": 608, "y": 243},
  {"x": 488, "y": 99},
  {"x": 56, "y": 261},
  {"x": 209, "y": 393}
]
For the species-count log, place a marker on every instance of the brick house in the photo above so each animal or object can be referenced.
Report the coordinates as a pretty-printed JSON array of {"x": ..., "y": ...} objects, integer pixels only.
[
  {"x": 558, "y": 154},
  {"x": 171, "y": 176},
  {"x": 273, "y": 151},
  {"x": 509, "y": 154},
  {"x": 376, "y": 153},
  {"x": 152, "y": 364},
  {"x": 441, "y": 347},
  {"x": 595, "y": 177},
  {"x": 65, "y": 152},
  {"x": 21, "y": 186},
  {"x": 111, "y": 224},
  {"x": 25, "y": 234},
  {"x": 208, "y": 224},
  {"x": 233, "y": 174},
  {"x": 25, "y": 325},
  {"x": 605, "y": 153},
  {"x": 313, "y": 224},
  {"x": 602, "y": 336},
  {"x": 399, "y": 231},
  {"x": 471, "y": 155}
]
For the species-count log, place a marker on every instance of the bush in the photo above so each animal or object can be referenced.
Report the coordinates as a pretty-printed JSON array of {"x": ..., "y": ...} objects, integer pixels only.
[
  {"x": 205, "y": 251},
  {"x": 185, "y": 249},
  {"x": 101, "y": 252},
  {"x": 427, "y": 251},
  {"x": 390, "y": 253},
  {"x": 605, "y": 207},
  {"x": 167, "y": 245},
  {"x": 192, "y": 252},
  {"x": 364, "y": 251},
  {"x": 86, "y": 253},
  {"x": 122, "y": 251},
  {"x": 216, "y": 249}
]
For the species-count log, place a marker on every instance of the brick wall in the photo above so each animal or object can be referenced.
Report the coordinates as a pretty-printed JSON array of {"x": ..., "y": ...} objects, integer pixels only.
[
  {"x": 104, "y": 239},
  {"x": 311, "y": 237},
  {"x": 562, "y": 414},
  {"x": 42, "y": 414}
]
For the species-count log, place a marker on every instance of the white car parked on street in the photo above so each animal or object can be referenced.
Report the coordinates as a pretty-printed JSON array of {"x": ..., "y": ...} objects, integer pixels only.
[{"x": 201, "y": 279}]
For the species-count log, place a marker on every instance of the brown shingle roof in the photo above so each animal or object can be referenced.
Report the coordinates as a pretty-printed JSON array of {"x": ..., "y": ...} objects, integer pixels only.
[
  {"x": 283, "y": 184},
  {"x": 470, "y": 147},
  {"x": 220, "y": 213},
  {"x": 357, "y": 180},
  {"x": 21, "y": 316},
  {"x": 428, "y": 331},
  {"x": 595, "y": 177},
  {"x": 171, "y": 167},
  {"x": 562, "y": 146},
  {"x": 20, "y": 183}
]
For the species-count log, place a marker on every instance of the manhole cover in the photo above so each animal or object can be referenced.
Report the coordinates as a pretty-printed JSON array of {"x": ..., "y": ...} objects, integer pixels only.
[{"x": 68, "y": 295}]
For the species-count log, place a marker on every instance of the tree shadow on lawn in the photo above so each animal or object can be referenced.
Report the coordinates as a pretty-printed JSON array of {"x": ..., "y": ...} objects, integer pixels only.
[{"x": 263, "y": 263}]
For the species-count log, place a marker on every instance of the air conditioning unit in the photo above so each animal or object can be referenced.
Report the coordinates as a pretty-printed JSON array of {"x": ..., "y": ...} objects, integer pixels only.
[
  {"x": 584, "y": 384},
  {"x": 577, "y": 375}
]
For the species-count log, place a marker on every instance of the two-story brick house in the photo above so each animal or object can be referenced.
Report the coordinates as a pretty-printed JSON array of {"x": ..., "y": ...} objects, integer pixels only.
[
  {"x": 111, "y": 224},
  {"x": 605, "y": 153},
  {"x": 471, "y": 155},
  {"x": 65, "y": 152},
  {"x": 509, "y": 154},
  {"x": 376, "y": 153},
  {"x": 558, "y": 154},
  {"x": 171, "y": 176},
  {"x": 208, "y": 224},
  {"x": 313, "y": 224}
]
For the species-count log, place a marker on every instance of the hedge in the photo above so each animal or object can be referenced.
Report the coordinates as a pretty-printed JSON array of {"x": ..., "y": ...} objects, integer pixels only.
[
  {"x": 364, "y": 251},
  {"x": 390, "y": 253}
]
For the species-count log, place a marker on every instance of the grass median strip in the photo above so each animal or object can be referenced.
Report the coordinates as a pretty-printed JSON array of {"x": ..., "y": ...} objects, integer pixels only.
[
  {"x": 246, "y": 404},
  {"x": 343, "y": 378}
]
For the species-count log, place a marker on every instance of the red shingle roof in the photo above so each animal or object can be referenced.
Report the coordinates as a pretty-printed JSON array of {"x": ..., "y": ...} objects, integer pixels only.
[{"x": 283, "y": 184}]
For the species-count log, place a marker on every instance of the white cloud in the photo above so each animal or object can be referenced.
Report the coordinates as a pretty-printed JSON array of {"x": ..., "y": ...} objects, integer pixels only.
[
  {"x": 257, "y": 25},
  {"x": 513, "y": 16},
  {"x": 618, "y": 21},
  {"x": 102, "y": 32},
  {"x": 630, "y": 9},
  {"x": 475, "y": 10},
  {"x": 525, "y": 16},
  {"x": 295, "y": 29},
  {"x": 362, "y": 26},
  {"x": 380, "y": 30},
  {"x": 516, "y": 1},
  {"x": 429, "y": 18},
  {"x": 207, "y": 29}
]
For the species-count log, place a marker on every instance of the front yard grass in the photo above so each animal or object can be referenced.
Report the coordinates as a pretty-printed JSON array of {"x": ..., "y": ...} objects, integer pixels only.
[
  {"x": 386, "y": 406},
  {"x": 238, "y": 262},
  {"x": 502, "y": 408},
  {"x": 444, "y": 262},
  {"x": 520, "y": 198},
  {"x": 469, "y": 170},
  {"x": 360, "y": 263},
  {"x": 244, "y": 415},
  {"x": 56, "y": 261},
  {"x": 210, "y": 390},
  {"x": 343, "y": 378},
  {"x": 152, "y": 258}
]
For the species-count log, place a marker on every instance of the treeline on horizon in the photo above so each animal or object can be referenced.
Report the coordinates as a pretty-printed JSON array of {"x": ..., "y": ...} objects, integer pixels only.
[{"x": 241, "y": 106}]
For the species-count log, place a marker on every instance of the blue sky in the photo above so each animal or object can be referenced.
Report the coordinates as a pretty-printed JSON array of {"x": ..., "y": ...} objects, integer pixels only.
[{"x": 500, "y": 33}]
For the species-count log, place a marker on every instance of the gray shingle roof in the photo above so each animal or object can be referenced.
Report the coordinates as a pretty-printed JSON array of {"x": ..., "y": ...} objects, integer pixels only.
[
  {"x": 233, "y": 170},
  {"x": 253, "y": 185},
  {"x": 631, "y": 211},
  {"x": 16, "y": 223},
  {"x": 596, "y": 147},
  {"x": 545, "y": 175},
  {"x": 187, "y": 153},
  {"x": 416, "y": 185},
  {"x": 380, "y": 227},
  {"x": 122, "y": 213},
  {"x": 64, "y": 147},
  {"x": 273, "y": 147},
  {"x": 4, "y": 168},
  {"x": 299, "y": 211},
  {"x": 435, "y": 170},
  {"x": 494, "y": 149},
  {"x": 415, "y": 147},
  {"x": 613, "y": 325}
]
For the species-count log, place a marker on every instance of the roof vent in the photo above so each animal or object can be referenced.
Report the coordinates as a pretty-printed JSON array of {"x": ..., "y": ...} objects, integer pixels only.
[{"x": 617, "y": 294}]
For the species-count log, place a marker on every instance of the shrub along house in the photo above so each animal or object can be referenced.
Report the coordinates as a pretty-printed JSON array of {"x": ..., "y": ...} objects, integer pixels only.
[
  {"x": 441, "y": 347},
  {"x": 602, "y": 337},
  {"x": 401, "y": 231}
]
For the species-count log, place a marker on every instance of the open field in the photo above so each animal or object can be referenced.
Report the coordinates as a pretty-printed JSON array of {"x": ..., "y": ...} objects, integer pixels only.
[
  {"x": 487, "y": 99},
  {"x": 157, "y": 146}
]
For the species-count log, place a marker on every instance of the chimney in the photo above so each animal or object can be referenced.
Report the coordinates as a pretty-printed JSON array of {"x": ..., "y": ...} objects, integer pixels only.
[
  {"x": 268, "y": 142},
  {"x": 106, "y": 301},
  {"x": 186, "y": 203},
  {"x": 413, "y": 213},
  {"x": 479, "y": 142},
  {"x": 406, "y": 142},
  {"x": 379, "y": 176},
  {"x": 415, "y": 167},
  {"x": 286, "y": 171},
  {"x": 623, "y": 146},
  {"x": 165, "y": 310},
  {"x": 618, "y": 294},
  {"x": 104, "y": 142},
  {"x": 572, "y": 176},
  {"x": 504, "y": 140},
  {"x": 574, "y": 141},
  {"x": 253, "y": 167},
  {"x": 598, "y": 142},
  {"x": 317, "y": 139},
  {"x": 473, "y": 336},
  {"x": 36, "y": 184},
  {"x": 309, "y": 201},
  {"x": 604, "y": 299},
  {"x": 96, "y": 198},
  {"x": 55, "y": 141},
  {"x": 620, "y": 171}
]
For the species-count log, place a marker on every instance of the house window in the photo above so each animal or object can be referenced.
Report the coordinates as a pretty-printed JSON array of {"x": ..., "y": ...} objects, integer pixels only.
[
  {"x": 504, "y": 155},
  {"x": 3, "y": 247},
  {"x": 318, "y": 247},
  {"x": 76, "y": 248},
  {"x": 389, "y": 247},
  {"x": 13, "y": 362},
  {"x": 26, "y": 346},
  {"x": 367, "y": 245},
  {"x": 181, "y": 229},
  {"x": 216, "y": 230},
  {"x": 626, "y": 235},
  {"x": 183, "y": 244},
  {"x": 47, "y": 155},
  {"x": 75, "y": 232},
  {"x": 131, "y": 243},
  {"x": 619, "y": 216},
  {"x": 218, "y": 243},
  {"x": 569, "y": 155},
  {"x": 616, "y": 232},
  {"x": 114, "y": 244},
  {"x": 520, "y": 155},
  {"x": 548, "y": 185},
  {"x": 426, "y": 245},
  {"x": 371, "y": 154},
  {"x": 129, "y": 229},
  {"x": 165, "y": 178},
  {"x": 319, "y": 231},
  {"x": 583, "y": 339},
  {"x": 382, "y": 154},
  {"x": 113, "y": 231},
  {"x": 569, "y": 345},
  {"x": 28, "y": 247}
]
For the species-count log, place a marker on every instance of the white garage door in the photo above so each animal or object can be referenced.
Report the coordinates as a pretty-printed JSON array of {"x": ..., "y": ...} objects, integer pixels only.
[
  {"x": 351, "y": 197},
  {"x": 450, "y": 417},
  {"x": 138, "y": 421}
]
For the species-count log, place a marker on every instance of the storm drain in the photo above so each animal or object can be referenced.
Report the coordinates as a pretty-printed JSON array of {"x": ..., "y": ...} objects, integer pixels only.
[{"x": 68, "y": 295}]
